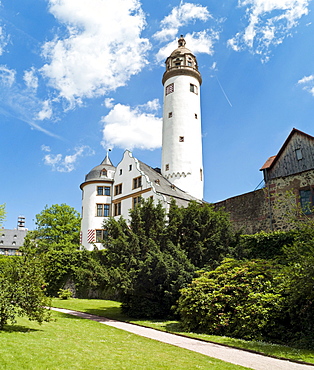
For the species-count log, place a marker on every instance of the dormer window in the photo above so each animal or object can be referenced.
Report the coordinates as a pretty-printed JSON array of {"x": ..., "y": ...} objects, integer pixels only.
[{"x": 103, "y": 173}]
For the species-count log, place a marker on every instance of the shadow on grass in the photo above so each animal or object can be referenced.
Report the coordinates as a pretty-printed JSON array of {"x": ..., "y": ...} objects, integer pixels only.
[{"x": 17, "y": 329}]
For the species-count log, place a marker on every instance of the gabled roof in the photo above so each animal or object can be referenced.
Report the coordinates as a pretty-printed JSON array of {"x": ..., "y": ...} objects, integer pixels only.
[
  {"x": 165, "y": 187},
  {"x": 272, "y": 160}
]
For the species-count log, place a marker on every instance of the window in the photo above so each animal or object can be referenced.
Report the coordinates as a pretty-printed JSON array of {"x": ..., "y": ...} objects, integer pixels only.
[
  {"x": 118, "y": 189},
  {"x": 101, "y": 235},
  {"x": 169, "y": 114},
  {"x": 299, "y": 155},
  {"x": 103, "y": 190},
  {"x": 136, "y": 201},
  {"x": 117, "y": 209},
  {"x": 102, "y": 210},
  {"x": 120, "y": 171},
  {"x": 104, "y": 173},
  {"x": 181, "y": 139},
  {"x": 195, "y": 116},
  {"x": 137, "y": 182},
  {"x": 201, "y": 174},
  {"x": 170, "y": 89},
  {"x": 306, "y": 201},
  {"x": 193, "y": 88},
  {"x": 130, "y": 167},
  {"x": 1, "y": 241},
  {"x": 189, "y": 63},
  {"x": 167, "y": 167}
]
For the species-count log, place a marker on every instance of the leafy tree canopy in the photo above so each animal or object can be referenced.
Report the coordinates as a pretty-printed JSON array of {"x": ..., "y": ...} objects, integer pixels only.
[
  {"x": 22, "y": 290},
  {"x": 57, "y": 228}
]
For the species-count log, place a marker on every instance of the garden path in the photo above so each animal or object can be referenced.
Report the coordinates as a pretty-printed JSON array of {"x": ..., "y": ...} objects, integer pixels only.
[{"x": 228, "y": 354}]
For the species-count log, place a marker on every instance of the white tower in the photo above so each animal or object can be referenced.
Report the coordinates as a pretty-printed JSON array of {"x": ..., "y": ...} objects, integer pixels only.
[
  {"x": 96, "y": 203},
  {"x": 182, "y": 162}
]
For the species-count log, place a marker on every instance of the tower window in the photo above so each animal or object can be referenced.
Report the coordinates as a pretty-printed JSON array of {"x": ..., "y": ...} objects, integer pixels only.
[
  {"x": 201, "y": 174},
  {"x": 169, "y": 114},
  {"x": 167, "y": 167},
  {"x": 101, "y": 235},
  {"x": 120, "y": 171},
  {"x": 195, "y": 116},
  {"x": 170, "y": 89},
  {"x": 194, "y": 89},
  {"x": 181, "y": 139},
  {"x": 130, "y": 167},
  {"x": 104, "y": 173},
  {"x": 103, "y": 190},
  {"x": 102, "y": 210}
]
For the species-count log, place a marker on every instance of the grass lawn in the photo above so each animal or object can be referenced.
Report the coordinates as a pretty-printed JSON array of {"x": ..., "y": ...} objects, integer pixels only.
[
  {"x": 70, "y": 342},
  {"x": 111, "y": 309}
]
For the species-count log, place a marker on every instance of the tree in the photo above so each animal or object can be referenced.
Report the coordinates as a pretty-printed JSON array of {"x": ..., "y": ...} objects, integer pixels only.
[
  {"x": 239, "y": 298},
  {"x": 22, "y": 290},
  {"x": 206, "y": 235},
  {"x": 57, "y": 228},
  {"x": 146, "y": 269},
  {"x": 2, "y": 213}
]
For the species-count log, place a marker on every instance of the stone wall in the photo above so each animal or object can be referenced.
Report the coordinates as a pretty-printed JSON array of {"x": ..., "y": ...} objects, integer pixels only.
[{"x": 269, "y": 209}]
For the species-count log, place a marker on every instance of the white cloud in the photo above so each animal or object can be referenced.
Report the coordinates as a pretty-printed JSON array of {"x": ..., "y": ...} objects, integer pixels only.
[
  {"x": 45, "y": 148},
  {"x": 19, "y": 102},
  {"x": 129, "y": 128},
  {"x": 66, "y": 163},
  {"x": 181, "y": 16},
  {"x": 308, "y": 84},
  {"x": 109, "y": 103},
  {"x": 270, "y": 21},
  {"x": 46, "y": 111},
  {"x": 102, "y": 50},
  {"x": 7, "y": 76},
  {"x": 3, "y": 40},
  {"x": 30, "y": 79},
  {"x": 197, "y": 42}
]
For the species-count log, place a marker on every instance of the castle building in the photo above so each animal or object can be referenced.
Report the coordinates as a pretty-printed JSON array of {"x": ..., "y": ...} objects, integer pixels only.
[{"x": 113, "y": 191}]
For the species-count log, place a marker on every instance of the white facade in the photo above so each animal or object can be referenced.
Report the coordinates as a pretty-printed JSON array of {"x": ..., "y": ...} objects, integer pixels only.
[
  {"x": 182, "y": 162},
  {"x": 110, "y": 191}
]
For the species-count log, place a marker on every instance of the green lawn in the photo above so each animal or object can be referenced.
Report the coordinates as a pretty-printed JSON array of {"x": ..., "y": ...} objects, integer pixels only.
[
  {"x": 69, "y": 342},
  {"x": 111, "y": 309}
]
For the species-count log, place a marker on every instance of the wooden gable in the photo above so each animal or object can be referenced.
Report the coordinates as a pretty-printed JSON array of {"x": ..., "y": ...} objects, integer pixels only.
[{"x": 295, "y": 156}]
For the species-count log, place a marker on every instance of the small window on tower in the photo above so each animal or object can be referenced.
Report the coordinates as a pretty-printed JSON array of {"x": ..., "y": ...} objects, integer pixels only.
[
  {"x": 170, "y": 114},
  {"x": 170, "y": 89},
  {"x": 201, "y": 174},
  {"x": 181, "y": 139},
  {"x": 167, "y": 167},
  {"x": 193, "y": 88},
  {"x": 130, "y": 167},
  {"x": 195, "y": 116}
]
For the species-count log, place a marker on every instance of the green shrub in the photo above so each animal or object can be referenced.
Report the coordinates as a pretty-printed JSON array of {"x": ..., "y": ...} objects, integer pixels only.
[
  {"x": 238, "y": 299},
  {"x": 64, "y": 294}
]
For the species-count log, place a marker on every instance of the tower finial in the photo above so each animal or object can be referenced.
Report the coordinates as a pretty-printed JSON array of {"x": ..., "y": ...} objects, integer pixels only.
[{"x": 181, "y": 41}]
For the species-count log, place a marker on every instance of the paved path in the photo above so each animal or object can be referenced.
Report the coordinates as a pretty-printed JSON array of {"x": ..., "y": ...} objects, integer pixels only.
[{"x": 228, "y": 354}]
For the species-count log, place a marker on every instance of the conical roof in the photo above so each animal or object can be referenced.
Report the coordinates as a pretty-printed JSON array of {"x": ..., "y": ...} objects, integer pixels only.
[{"x": 101, "y": 171}]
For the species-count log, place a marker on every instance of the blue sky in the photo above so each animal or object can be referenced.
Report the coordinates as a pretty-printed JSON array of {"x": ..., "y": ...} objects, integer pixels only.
[{"x": 78, "y": 77}]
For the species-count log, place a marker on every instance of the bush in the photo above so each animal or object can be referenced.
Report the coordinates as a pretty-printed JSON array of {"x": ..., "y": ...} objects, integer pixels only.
[
  {"x": 238, "y": 299},
  {"x": 64, "y": 294}
]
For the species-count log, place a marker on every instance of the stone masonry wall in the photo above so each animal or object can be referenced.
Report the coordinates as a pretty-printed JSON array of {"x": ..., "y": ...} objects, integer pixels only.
[{"x": 270, "y": 208}]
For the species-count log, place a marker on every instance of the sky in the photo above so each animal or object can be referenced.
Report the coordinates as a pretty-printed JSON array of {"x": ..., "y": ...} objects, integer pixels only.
[{"x": 78, "y": 78}]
